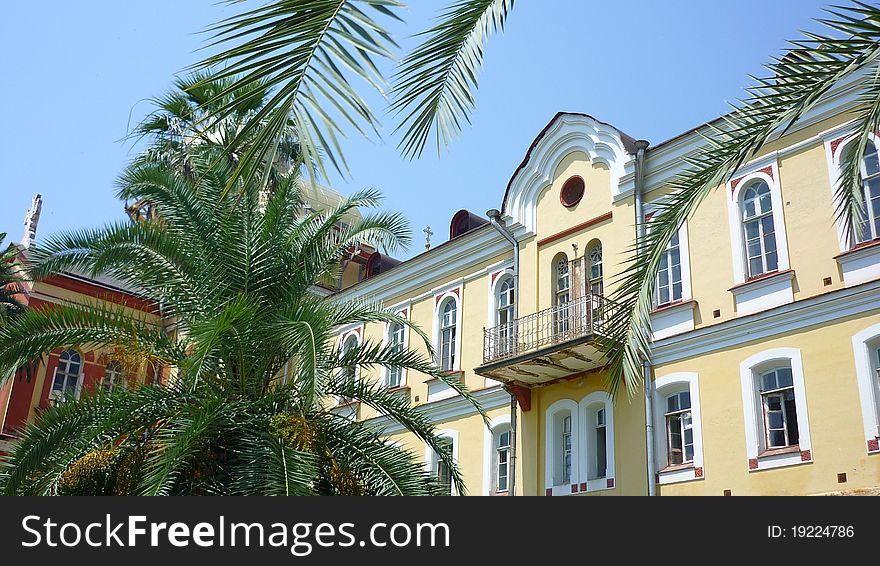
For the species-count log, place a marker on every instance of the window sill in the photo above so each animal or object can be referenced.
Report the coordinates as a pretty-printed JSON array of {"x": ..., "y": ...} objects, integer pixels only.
[
  {"x": 776, "y": 451},
  {"x": 672, "y": 318},
  {"x": 780, "y": 457},
  {"x": 860, "y": 264},
  {"x": 596, "y": 484},
  {"x": 764, "y": 292},
  {"x": 761, "y": 280},
  {"x": 398, "y": 389},
  {"x": 680, "y": 473}
]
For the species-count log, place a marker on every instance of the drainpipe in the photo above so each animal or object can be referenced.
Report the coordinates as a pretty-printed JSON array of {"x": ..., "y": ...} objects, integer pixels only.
[
  {"x": 648, "y": 385},
  {"x": 495, "y": 219}
]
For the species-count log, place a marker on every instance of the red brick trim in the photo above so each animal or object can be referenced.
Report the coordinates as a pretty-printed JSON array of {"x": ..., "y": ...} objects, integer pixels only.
[
  {"x": 858, "y": 248},
  {"x": 574, "y": 488},
  {"x": 806, "y": 456},
  {"x": 548, "y": 492},
  {"x": 836, "y": 143},
  {"x": 609, "y": 483},
  {"x": 767, "y": 170},
  {"x": 874, "y": 445},
  {"x": 761, "y": 277},
  {"x": 584, "y": 486},
  {"x": 698, "y": 472},
  {"x": 573, "y": 229},
  {"x": 753, "y": 463}
]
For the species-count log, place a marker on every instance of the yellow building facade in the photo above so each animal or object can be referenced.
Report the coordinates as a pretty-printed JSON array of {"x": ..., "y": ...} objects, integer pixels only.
[{"x": 763, "y": 376}]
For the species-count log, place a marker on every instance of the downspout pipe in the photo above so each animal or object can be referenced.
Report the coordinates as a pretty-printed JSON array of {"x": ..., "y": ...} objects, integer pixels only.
[
  {"x": 648, "y": 384},
  {"x": 495, "y": 219}
]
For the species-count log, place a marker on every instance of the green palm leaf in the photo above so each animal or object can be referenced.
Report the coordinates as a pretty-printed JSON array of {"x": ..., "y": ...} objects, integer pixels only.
[{"x": 434, "y": 85}]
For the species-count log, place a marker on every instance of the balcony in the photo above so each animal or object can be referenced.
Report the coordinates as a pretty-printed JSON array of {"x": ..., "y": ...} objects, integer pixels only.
[{"x": 550, "y": 344}]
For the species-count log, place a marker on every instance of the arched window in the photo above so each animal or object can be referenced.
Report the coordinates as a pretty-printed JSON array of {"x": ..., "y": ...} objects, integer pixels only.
[
  {"x": 597, "y": 286},
  {"x": 501, "y": 460},
  {"x": 679, "y": 439},
  {"x": 66, "y": 380},
  {"x": 561, "y": 295},
  {"x": 448, "y": 331},
  {"x": 867, "y": 226},
  {"x": 679, "y": 428},
  {"x": 759, "y": 232},
  {"x": 504, "y": 318},
  {"x": 779, "y": 410},
  {"x": 506, "y": 301},
  {"x": 866, "y": 348},
  {"x": 396, "y": 336},
  {"x": 562, "y": 287},
  {"x": 348, "y": 375},
  {"x": 775, "y": 409},
  {"x": 114, "y": 376},
  {"x": 562, "y": 441},
  {"x": 441, "y": 470},
  {"x": 669, "y": 282}
]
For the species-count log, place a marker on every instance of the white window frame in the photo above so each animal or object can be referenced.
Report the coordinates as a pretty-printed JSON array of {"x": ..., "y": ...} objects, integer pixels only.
[
  {"x": 664, "y": 386},
  {"x": 750, "y": 371},
  {"x": 357, "y": 333},
  {"x": 431, "y": 457},
  {"x": 53, "y": 396},
  {"x": 386, "y": 372},
  {"x": 440, "y": 302},
  {"x": 552, "y": 447},
  {"x": 490, "y": 433},
  {"x": 684, "y": 253},
  {"x": 834, "y": 169},
  {"x": 587, "y": 409},
  {"x": 864, "y": 352},
  {"x": 117, "y": 375},
  {"x": 737, "y": 231}
]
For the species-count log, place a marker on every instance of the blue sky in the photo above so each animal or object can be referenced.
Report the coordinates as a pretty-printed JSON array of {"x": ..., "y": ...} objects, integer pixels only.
[{"x": 78, "y": 75}]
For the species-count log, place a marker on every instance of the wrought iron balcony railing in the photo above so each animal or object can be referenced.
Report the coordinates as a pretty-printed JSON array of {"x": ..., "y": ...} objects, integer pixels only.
[{"x": 580, "y": 317}]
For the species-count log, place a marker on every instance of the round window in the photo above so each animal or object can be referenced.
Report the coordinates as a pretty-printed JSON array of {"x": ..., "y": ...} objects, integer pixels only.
[{"x": 572, "y": 192}]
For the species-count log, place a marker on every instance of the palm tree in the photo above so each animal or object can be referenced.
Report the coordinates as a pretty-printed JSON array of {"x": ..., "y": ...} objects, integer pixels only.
[
  {"x": 178, "y": 131},
  {"x": 252, "y": 362},
  {"x": 297, "y": 48},
  {"x": 10, "y": 282}
]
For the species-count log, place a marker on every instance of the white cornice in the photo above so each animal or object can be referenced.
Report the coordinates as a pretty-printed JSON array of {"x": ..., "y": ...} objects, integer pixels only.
[
  {"x": 667, "y": 160},
  {"x": 434, "y": 268},
  {"x": 450, "y": 408},
  {"x": 800, "y": 315},
  {"x": 570, "y": 132}
]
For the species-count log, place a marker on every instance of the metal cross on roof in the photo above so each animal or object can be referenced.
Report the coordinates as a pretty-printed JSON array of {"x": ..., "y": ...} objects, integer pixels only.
[{"x": 428, "y": 233}]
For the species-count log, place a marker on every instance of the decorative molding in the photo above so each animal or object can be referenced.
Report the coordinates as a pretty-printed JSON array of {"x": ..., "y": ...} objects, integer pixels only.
[
  {"x": 448, "y": 409},
  {"x": 567, "y": 133},
  {"x": 806, "y": 313},
  {"x": 574, "y": 229}
]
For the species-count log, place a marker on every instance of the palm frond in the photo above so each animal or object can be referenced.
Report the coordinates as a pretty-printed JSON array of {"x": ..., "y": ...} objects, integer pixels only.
[
  {"x": 798, "y": 80},
  {"x": 304, "y": 52},
  {"x": 434, "y": 85}
]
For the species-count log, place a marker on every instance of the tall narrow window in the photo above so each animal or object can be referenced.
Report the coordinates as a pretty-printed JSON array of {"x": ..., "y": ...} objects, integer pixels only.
[
  {"x": 66, "y": 379},
  {"x": 113, "y": 376},
  {"x": 759, "y": 232},
  {"x": 566, "y": 449},
  {"x": 448, "y": 322},
  {"x": 442, "y": 471},
  {"x": 562, "y": 295},
  {"x": 597, "y": 286},
  {"x": 504, "y": 318},
  {"x": 779, "y": 411},
  {"x": 502, "y": 460},
  {"x": 349, "y": 373},
  {"x": 867, "y": 226},
  {"x": 601, "y": 456},
  {"x": 396, "y": 336},
  {"x": 679, "y": 428},
  {"x": 669, "y": 288}
]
